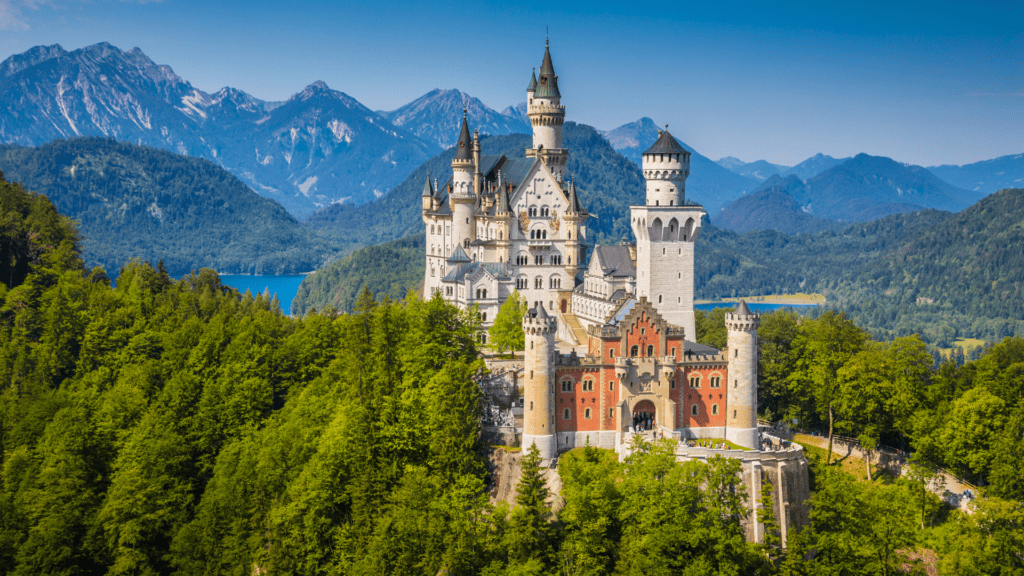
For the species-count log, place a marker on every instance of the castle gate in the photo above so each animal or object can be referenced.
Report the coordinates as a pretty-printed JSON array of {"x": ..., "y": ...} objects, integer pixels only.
[{"x": 644, "y": 415}]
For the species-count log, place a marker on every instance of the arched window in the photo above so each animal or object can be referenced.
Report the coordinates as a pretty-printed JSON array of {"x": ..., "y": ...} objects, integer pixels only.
[
  {"x": 522, "y": 283},
  {"x": 694, "y": 410},
  {"x": 567, "y": 385},
  {"x": 533, "y": 211},
  {"x": 545, "y": 234},
  {"x": 695, "y": 381},
  {"x": 538, "y": 282},
  {"x": 634, "y": 351},
  {"x": 484, "y": 317},
  {"x": 714, "y": 409},
  {"x": 586, "y": 413},
  {"x": 538, "y": 259},
  {"x": 565, "y": 414},
  {"x": 555, "y": 282},
  {"x": 545, "y": 211},
  {"x": 650, "y": 350},
  {"x": 522, "y": 260}
]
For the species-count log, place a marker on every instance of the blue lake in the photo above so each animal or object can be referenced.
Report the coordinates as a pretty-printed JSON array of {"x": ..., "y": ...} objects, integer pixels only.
[
  {"x": 285, "y": 286},
  {"x": 754, "y": 306}
]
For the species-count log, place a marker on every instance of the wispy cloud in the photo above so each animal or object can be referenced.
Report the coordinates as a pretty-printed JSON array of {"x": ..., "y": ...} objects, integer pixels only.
[{"x": 13, "y": 17}]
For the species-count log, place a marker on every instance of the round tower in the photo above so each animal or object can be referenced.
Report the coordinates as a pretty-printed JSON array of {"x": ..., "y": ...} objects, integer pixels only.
[
  {"x": 666, "y": 165},
  {"x": 539, "y": 382},
  {"x": 546, "y": 113},
  {"x": 463, "y": 196},
  {"x": 741, "y": 420}
]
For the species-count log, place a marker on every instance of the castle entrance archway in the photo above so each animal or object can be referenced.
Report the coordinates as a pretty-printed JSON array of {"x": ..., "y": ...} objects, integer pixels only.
[{"x": 644, "y": 415}]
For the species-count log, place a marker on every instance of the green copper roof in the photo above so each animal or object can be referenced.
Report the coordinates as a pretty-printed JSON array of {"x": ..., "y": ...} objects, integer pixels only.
[
  {"x": 428, "y": 190},
  {"x": 533, "y": 81},
  {"x": 458, "y": 255},
  {"x": 547, "y": 87},
  {"x": 464, "y": 148}
]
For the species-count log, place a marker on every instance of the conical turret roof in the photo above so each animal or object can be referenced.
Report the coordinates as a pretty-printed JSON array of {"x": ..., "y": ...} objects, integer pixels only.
[
  {"x": 666, "y": 144},
  {"x": 502, "y": 195},
  {"x": 540, "y": 313},
  {"x": 533, "y": 81},
  {"x": 547, "y": 87},
  {"x": 574, "y": 199},
  {"x": 743, "y": 309},
  {"x": 464, "y": 148},
  {"x": 428, "y": 188}
]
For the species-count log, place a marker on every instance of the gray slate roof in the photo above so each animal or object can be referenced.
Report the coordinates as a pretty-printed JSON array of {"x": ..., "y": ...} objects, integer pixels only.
[
  {"x": 464, "y": 147},
  {"x": 666, "y": 144},
  {"x": 615, "y": 261}
]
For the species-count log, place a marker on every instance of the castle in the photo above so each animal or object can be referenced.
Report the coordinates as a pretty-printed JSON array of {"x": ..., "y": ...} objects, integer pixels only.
[
  {"x": 501, "y": 225},
  {"x": 610, "y": 346}
]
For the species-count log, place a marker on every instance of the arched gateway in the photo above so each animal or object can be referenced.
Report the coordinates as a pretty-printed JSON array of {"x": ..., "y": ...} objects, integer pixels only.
[{"x": 644, "y": 415}]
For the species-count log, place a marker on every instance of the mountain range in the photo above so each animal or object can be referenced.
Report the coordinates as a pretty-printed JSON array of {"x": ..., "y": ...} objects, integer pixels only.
[
  {"x": 859, "y": 189},
  {"x": 318, "y": 147},
  {"x": 758, "y": 170}
]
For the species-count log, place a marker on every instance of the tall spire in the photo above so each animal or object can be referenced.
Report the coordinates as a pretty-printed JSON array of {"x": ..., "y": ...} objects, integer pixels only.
[
  {"x": 533, "y": 82},
  {"x": 547, "y": 86},
  {"x": 464, "y": 148},
  {"x": 574, "y": 200}
]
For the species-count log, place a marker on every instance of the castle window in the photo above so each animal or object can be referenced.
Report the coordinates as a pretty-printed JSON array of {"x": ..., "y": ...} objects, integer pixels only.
[
  {"x": 531, "y": 406},
  {"x": 714, "y": 409},
  {"x": 672, "y": 384},
  {"x": 611, "y": 353},
  {"x": 733, "y": 413},
  {"x": 533, "y": 211},
  {"x": 659, "y": 298},
  {"x": 673, "y": 350},
  {"x": 650, "y": 351},
  {"x": 586, "y": 413},
  {"x": 611, "y": 386},
  {"x": 567, "y": 386},
  {"x": 634, "y": 351},
  {"x": 588, "y": 386},
  {"x": 522, "y": 260},
  {"x": 485, "y": 313},
  {"x": 555, "y": 282},
  {"x": 522, "y": 283},
  {"x": 565, "y": 414},
  {"x": 611, "y": 412},
  {"x": 716, "y": 381},
  {"x": 694, "y": 409},
  {"x": 538, "y": 282},
  {"x": 545, "y": 211},
  {"x": 538, "y": 259},
  {"x": 735, "y": 383},
  {"x": 695, "y": 381}
]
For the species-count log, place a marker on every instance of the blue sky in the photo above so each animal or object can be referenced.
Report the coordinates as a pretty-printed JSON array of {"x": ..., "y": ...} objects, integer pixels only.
[{"x": 924, "y": 83}]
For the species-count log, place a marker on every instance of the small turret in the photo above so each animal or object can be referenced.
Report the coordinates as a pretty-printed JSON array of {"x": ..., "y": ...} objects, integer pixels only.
[
  {"x": 428, "y": 194},
  {"x": 544, "y": 107},
  {"x": 666, "y": 165},
  {"x": 539, "y": 382},
  {"x": 463, "y": 197},
  {"x": 741, "y": 419}
]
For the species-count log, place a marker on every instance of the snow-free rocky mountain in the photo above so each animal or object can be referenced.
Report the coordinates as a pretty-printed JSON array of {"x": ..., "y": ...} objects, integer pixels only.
[
  {"x": 437, "y": 116},
  {"x": 320, "y": 146},
  {"x": 758, "y": 169}
]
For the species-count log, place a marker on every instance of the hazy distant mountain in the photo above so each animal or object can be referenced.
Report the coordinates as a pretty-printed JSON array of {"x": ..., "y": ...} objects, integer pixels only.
[
  {"x": 708, "y": 184},
  {"x": 319, "y": 147},
  {"x": 437, "y": 115},
  {"x": 518, "y": 113},
  {"x": 772, "y": 207},
  {"x": 758, "y": 170},
  {"x": 861, "y": 188},
  {"x": 986, "y": 176},
  {"x": 813, "y": 166}
]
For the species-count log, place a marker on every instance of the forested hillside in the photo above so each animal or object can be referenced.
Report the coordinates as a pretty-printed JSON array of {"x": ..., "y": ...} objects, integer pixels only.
[
  {"x": 139, "y": 202},
  {"x": 391, "y": 269}
]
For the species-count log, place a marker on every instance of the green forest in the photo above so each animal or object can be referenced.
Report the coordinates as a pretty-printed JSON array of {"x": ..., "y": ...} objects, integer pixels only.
[
  {"x": 132, "y": 201},
  {"x": 178, "y": 427}
]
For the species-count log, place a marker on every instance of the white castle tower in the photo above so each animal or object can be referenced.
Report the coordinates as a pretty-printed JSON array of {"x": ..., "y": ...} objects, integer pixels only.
[
  {"x": 665, "y": 230},
  {"x": 539, "y": 382},
  {"x": 546, "y": 113},
  {"x": 741, "y": 421},
  {"x": 463, "y": 193}
]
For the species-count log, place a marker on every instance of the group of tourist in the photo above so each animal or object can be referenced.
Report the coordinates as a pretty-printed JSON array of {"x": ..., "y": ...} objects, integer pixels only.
[{"x": 643, "y": 421}]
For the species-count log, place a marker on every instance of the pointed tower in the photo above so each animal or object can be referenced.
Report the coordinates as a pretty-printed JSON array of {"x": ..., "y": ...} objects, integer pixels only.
[
  {"x": 428, "y": 195},
  {"x": 665, "y": 230},
  {"x": 741, "y": 419},
  {"x": 539, "y": 382},
  {"x": 463, "y": 195},
  {"x": 544, "y": 107},
  {"x": 575, "y": 217}
]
